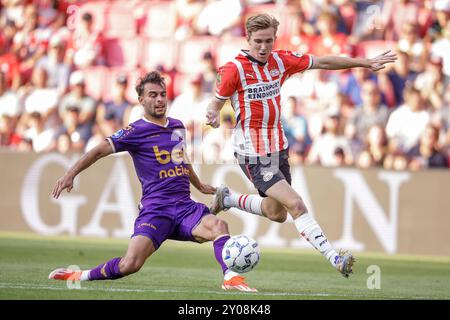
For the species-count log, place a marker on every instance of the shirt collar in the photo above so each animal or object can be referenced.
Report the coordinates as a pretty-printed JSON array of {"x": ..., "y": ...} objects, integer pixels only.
[{"x": 156, "y": 124}]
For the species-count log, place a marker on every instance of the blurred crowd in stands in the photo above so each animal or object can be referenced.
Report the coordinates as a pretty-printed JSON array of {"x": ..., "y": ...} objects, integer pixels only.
[{"x": 68, "y": 71}]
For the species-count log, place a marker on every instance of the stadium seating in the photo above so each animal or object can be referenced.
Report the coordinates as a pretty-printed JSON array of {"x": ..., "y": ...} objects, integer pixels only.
[
  {"x": 159, "y": 19},
  {"x": 98, "y": 11},
  {"x": 348, "y": 13},
  {"x": 181, "y": 81},
  {"x": 290, "y": 18},
  {"x": 374, "y": 47},
  {"x": 116, "y": 25},
  {"x": 133, "y": 77},
  {"x": 228, "y": 50},
  {"x": 263, "y": 8},
  {"x": 158, "y": 52},
  {"x": 111, "y": 76},
  {"x": 95, "y": 78},
  {"x": 123, "y": 52},
  {"x": 191, "y": 51}
]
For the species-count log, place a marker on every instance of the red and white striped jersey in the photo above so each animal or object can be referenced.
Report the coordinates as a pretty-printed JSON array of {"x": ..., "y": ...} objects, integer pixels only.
[{"x": 254, "y": 90}]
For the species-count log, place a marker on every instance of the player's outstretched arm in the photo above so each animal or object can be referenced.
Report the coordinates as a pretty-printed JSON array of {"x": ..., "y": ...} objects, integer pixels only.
[
  {"x": 66, "y": 181},
  {"x": 336, "y": 63},
  {"x": 213, "y": 112}
]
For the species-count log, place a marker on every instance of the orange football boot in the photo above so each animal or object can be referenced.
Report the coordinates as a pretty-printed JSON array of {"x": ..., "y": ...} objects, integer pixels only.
[
  {"x": 65, "y": 274},
  {"x": 237, "y": 283}
]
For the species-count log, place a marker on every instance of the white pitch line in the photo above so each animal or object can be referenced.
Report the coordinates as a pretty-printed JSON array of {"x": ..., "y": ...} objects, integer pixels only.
[{"x": 46, "y": 287}]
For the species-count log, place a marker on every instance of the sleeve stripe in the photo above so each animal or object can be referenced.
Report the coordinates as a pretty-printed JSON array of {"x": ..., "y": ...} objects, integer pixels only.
[
  {"x": 112, "y": 144},
  {"x": 221, "y": 98},
  {"x": 311, "y": 61}
]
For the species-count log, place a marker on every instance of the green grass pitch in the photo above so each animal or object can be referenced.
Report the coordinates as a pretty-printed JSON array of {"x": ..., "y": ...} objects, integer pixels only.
[{"x": 185, "y": 271}]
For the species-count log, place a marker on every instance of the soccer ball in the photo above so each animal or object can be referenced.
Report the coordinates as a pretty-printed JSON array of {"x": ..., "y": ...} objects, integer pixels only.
[{"x": 240, "y": 253}]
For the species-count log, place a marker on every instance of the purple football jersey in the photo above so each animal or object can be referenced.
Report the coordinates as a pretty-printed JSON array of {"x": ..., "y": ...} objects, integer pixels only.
[{"x": 157, "y": 153}]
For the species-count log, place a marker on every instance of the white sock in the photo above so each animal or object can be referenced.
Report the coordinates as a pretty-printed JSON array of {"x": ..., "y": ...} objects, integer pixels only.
[
  {"x": 229, "y": 274},
  {"x": 311, "y": 231},
  {"x": 85, "y": 275},
  {"x": 247, "y": 202}
]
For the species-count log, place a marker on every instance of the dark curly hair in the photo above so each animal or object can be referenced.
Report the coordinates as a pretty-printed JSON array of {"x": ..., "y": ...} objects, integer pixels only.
[{"x": 151, "y": 77}]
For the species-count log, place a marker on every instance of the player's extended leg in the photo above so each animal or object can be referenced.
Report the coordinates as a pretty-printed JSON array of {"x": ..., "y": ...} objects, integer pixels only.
[
  {"x": 252, "y": 203},
  {"x": 308, "y": 226},
  {"x": 139, "y": 249},
  {"x": 214, "y": 229}
]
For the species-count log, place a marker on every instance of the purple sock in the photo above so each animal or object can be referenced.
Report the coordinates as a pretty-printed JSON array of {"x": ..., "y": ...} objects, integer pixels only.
[
  {"x": 218, "y": 246},
  {"x": 106, "y": 271}
]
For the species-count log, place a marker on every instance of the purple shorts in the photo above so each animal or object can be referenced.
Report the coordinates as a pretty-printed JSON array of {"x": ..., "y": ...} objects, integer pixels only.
[{"x": 170, "y": 221}]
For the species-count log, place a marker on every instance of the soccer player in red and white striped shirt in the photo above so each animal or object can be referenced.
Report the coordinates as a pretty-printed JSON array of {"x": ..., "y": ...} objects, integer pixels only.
[{"x": 252, "y": 82}]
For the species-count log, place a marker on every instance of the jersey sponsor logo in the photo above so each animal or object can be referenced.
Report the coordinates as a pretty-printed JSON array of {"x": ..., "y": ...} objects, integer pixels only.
[
  {"x": 264, "y": 90},
  {"x": 274, "y": 72},
  {"x": 250, "y": 75},
  {"x": 297, "y": 54},
  {"x": 176, "y": 171},
  {"x": 164, "y": 156},
  {"x": 176, "y": 156}
]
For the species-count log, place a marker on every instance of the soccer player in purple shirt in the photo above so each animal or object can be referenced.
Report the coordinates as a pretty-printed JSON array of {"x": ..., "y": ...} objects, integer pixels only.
[{"x": 156, "y": 144}]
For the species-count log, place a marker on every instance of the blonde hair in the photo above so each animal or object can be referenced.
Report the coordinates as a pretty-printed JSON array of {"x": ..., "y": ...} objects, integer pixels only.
[{"x": 260, "y": 22}]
